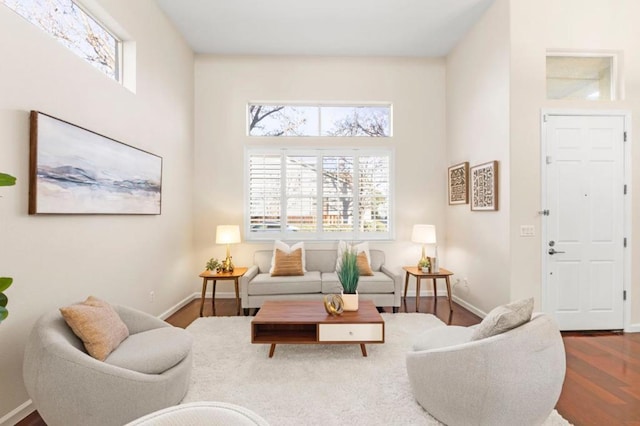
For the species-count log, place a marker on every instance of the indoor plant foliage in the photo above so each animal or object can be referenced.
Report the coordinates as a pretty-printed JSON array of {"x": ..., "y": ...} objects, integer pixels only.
[
  {"x": 5, "y": 282},
  {"x": 213, "y": 264},
  {"x": 425, "y": 262},
  {"x": 349, "y": 274}
]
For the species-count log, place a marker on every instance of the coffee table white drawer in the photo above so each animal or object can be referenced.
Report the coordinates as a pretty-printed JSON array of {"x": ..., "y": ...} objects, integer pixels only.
[{"x": 350, "y": 332}]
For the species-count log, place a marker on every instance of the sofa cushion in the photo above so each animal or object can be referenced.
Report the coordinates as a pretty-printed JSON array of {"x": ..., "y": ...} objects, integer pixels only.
[
  {"x": 504, "y": 318},
  {"x": 379, "y": 282},
  {"x": 153, "y": 351},
  {"x": 362, "y": 262},
  {"x": 358, "y": 248},
  {"x": 287, "y": 264},
  {"x": 97, "y": 324},
  {"x": 279, "y": 245},
  {"x": 442, "y": 337},
  {"x": 263, "y": 284}
]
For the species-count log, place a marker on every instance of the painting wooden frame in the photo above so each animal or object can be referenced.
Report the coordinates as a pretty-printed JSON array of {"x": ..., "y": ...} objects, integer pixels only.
[
  {"x": 73, "y": 170},
  {"x": 484, "y": 186},
  {"x": 458, "y": 183}
]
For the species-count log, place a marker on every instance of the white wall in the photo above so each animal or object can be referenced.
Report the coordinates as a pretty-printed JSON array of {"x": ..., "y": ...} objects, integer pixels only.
[
  {"x": 478, "y": 132},
  {"x": 562, "y": 24},
  {"x": 224, "y": 86},
  {"x": 57, "y": 260}
]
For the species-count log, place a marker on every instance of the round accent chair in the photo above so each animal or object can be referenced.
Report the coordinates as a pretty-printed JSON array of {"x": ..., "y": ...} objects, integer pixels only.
[
  {"x": 148, "y": 371},
  {"x": 512, "y": 378},
  {"x": 202, "y": 413}
]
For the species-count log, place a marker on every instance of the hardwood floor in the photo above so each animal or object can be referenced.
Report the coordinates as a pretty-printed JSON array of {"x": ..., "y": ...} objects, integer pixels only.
[{"x": 602, "y": 385}]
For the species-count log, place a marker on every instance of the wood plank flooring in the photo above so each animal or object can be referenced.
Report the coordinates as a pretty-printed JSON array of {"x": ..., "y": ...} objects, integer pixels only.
[{"x": 602, "y": 386}]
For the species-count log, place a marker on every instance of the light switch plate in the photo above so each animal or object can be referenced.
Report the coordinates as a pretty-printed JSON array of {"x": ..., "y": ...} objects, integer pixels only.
[{"x": 527, "y": 231}]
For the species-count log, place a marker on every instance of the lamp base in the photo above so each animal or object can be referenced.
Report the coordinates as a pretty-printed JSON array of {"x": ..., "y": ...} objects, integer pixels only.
[{"x": 227, "y": 265}]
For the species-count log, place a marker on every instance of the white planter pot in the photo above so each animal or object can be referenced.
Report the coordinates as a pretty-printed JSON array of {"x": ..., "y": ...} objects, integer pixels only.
[{"x": 350, "y": 301}]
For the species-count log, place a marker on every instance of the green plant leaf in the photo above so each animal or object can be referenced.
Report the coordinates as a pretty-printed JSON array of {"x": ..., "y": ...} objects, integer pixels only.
[
  {"x": 3, "y": 300},
  {"x": 5, "y": 283},
  {"x": 3, "y": 314},
  {"x": 7, "y": 180}
]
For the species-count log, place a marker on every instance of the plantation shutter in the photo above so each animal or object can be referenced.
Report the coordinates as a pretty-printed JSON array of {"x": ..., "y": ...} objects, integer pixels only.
[
  {"x": 265, "y": 172},
  {"x": 301, "y": 193},
  {"x": 374, "y": 188}
]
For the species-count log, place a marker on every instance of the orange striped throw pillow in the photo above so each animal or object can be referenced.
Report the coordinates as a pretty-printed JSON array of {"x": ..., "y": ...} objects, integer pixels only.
[
  {"x": 288, "y": 264},
  {"x": 363, "y": 264}
]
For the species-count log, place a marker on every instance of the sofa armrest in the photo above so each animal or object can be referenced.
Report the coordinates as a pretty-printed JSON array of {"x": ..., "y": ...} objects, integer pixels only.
[
  {"x": 138, "y": 321},
  {"x": 244, "y": 282},
  {"x": 397, "y": 284}
]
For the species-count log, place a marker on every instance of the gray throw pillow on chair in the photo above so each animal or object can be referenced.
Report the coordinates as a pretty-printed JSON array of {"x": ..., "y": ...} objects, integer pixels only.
[{"x": 504, "y": 318}]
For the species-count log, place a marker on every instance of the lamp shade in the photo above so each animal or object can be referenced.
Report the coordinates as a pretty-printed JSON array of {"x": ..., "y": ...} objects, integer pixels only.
[
  {"x": 424, "y": 234},
  {"x": 227, "y": 234}
]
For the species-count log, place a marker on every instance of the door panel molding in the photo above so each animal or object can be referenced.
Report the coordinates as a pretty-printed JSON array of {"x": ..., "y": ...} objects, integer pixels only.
[{"x": 626, "y": 203}]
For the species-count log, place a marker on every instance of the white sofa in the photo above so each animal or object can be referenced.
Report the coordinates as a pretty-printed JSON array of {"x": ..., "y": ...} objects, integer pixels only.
[
  {"x": 384, "y": 288},
  {"x": 513, "y": 378}
]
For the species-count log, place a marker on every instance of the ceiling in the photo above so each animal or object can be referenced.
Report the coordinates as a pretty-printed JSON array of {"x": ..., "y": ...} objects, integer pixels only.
[{"x": 324, "y": 27}]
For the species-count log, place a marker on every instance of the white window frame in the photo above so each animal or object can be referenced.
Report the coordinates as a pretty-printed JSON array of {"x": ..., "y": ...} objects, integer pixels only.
[
  {"x": 615, "y": 73},
  {"x": 320, "y": 235},
  {"x": 319, "y": 105},
  {"x": 119, "y": 43}
]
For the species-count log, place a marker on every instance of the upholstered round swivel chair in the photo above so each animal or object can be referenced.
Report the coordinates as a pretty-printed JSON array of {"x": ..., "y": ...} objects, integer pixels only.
[
  {"x": 513, "y": 378},
  {"x": 69, "y": 387},
  {"x": 202, "y": 413}
]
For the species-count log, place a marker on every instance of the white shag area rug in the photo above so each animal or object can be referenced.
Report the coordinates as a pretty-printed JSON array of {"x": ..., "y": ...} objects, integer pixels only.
[{"x": 312, "y": 384}]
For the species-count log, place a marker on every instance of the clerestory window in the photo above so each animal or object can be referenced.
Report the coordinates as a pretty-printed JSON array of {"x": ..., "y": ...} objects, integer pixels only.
[
  {"x": 72, "y": 26},
  {"x": 319, "y": 120}
]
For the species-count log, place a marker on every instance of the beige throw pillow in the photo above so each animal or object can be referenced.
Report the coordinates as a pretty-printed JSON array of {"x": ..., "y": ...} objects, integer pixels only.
[
  {"x": 97, "y": 324},
  {"x": 363, "y": 264},
  {"x": 279, "y": 245},
  {"x": 357, "y": 248},
  {"x": 287, "y": 264},
  {"x": 504, "y": 318}
]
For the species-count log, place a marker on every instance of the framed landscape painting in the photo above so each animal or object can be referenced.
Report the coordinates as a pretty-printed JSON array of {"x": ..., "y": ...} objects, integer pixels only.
[
  {"x": 484, "y": 186},
  {"x": 76, "y": 171},
  {"x": 458, "y": 178}
]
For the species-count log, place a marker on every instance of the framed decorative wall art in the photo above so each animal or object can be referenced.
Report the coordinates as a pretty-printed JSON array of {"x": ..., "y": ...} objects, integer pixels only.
[
  {"x": 458, "y": 178},
  {"x": 484, "y": 186},
  {"x": 76, "y": 171}
]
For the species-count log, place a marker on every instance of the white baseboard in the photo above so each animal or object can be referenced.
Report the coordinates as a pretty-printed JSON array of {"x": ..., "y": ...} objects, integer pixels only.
[
  {"x": 632, "y": 328},
  {"x": 175, "y": 308},
  {"x": 18, "y": 414},
  {"x": 469, "y": 307}
]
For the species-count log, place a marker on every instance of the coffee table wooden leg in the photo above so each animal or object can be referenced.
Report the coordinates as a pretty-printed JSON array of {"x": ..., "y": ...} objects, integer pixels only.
[
  {"x": 237, "y": 298},
  {"x": 449, "y": 293},
  {"x": 204, "y": 290},
  {"x": 272, "y": 349},
  {"x": 417, "y": 293},
  {"x": 213, "y": 298},
  {"x": 363, "y": 348},
  {"x": 406, "y": 284}
]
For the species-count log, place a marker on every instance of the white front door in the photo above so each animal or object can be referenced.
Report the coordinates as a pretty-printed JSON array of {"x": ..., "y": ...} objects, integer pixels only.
[{"x": 583, "y": 234}]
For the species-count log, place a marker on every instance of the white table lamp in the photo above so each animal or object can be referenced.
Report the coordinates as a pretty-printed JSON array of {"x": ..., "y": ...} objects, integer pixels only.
[
  {"x": 424, "y": 234},
  {"x": 227, "y": 234}
]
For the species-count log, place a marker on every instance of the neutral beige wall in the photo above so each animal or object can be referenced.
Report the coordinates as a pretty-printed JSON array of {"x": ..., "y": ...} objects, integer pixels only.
[
  {"x": 562, "y": 24},
  {"x": 224, "y": 85},
  {"x": 477, "y": 132},
  {"x": 57, "y": 260}
]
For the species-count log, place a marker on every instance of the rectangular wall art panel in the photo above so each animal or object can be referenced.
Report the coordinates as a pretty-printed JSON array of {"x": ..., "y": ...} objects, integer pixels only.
[
  {"x": 459, "y": 183},
  {"x": 484, "y": 186},
  {"x": 76, "y": 171}
]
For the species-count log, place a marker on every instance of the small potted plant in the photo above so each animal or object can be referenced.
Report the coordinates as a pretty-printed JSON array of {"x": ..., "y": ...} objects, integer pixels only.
[
  {"x": 425, "y": 265},
  {"x": 5, "y": 282},
  {"x": 213, "y": 265},
  {"x": 349, "y": 276}
]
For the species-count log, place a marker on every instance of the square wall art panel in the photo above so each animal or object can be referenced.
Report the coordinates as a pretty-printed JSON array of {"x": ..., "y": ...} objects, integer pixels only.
[{"x": 76, "y": 171}]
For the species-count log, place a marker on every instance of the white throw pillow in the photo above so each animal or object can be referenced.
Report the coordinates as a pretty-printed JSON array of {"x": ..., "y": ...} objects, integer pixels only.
[
  {"x": 284, "y": 247},
  {"x": 504, "y": 318},
  {"x": 358, "y": 248}
]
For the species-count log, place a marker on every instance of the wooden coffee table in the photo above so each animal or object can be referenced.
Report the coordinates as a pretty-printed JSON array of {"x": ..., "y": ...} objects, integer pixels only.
[{"x": 306, "y": 322}]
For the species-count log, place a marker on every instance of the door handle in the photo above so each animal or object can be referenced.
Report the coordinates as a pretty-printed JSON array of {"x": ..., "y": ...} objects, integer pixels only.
[{"x": 553, "y": 251}]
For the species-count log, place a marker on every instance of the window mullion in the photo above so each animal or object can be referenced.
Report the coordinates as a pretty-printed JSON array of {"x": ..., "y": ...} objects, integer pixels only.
[
  {"x": 356, "y": 195},
  {"x": 319, "y": 194}
]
